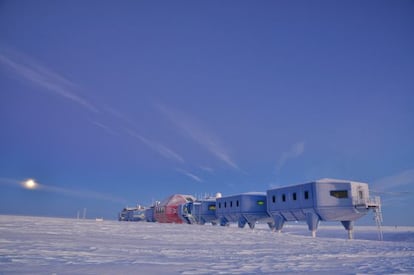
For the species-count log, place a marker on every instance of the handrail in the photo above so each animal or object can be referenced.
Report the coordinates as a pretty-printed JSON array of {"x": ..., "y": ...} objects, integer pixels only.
[{"x": 372, "y": 202}]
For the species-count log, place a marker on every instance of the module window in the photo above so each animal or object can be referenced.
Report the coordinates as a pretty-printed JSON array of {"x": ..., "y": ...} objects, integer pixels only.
[
  {"x": 212, "y": 207},
  {"x": 306, "y": 195},
  {"x": 283, "y": 197},
  {"x": 339, "y": 194}
]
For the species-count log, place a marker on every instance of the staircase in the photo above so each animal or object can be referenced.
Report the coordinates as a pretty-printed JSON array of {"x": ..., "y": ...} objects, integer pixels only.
[{"x": 375, "y": 205}]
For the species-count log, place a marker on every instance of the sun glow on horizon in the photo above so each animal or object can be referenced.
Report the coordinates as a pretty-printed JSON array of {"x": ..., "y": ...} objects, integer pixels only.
[{"x": 30, "y": 184}]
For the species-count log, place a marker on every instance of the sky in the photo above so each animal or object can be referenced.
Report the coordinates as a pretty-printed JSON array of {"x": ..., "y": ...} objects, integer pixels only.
[{"x": 107, "y": 104}]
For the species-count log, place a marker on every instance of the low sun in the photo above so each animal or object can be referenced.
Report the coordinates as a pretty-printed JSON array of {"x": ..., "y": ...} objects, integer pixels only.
[{"x": 30, "y": 184}]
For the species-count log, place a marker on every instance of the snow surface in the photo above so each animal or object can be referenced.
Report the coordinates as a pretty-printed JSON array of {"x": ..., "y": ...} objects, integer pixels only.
[{"x": 38, "y": 245}]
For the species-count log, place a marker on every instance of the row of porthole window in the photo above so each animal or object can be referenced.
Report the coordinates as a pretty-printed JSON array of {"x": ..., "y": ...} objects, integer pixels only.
[
  {"x": 159, "y": 209},
  {"x": 258, "y": 202},
  {"x": 294, "y": 196},
  {"x": 231, "y": 204}
]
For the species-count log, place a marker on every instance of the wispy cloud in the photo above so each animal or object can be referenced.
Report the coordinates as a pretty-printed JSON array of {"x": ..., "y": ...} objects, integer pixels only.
[
  {"x": 104, "y": 127},
  {"x": 83, "y": 193},
  {"x": 207, "y": 169},
  {"x": 65, "y": 191},
  {"x": 404, "y": 178},
  {"x": 193, "y": 129},
  {"x": 117, "y": 114},
  {"x": 11, "y": 182},
  {"x": 295, "y": 151},
  {"x": 157, "y": 147},
  {"x": 190, "y": 175},
  {"x": 31, "y": 71}
]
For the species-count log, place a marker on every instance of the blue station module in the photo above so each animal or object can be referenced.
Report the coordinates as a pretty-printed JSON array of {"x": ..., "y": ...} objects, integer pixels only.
[
  {"x": 199, "y": 212},
  {"x": 243, "y": 208},
  {"x": 132, "y": 214},
  {"x": 149, "y": 214}
]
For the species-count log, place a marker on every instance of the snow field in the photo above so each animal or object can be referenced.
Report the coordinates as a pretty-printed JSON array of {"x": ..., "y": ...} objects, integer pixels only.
[{"x": 38, "y": 245}]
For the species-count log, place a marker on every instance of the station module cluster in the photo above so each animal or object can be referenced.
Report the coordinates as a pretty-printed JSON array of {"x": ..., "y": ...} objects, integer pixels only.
[{"x": 321, "y": 200}]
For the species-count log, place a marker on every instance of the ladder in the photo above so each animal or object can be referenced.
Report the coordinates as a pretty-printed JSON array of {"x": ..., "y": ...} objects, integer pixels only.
[{"x": 376, "y": 208}]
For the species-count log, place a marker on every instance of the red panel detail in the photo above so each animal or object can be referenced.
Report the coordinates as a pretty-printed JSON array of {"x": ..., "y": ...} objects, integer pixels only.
[{"x": 167, "y": 210}]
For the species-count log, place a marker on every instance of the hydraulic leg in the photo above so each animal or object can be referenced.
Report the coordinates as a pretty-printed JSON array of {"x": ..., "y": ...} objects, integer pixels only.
[
  {"x": 313, "y": 221},
  {"x": 349, "y": 226},
  {"x": 279, "y": 222}
]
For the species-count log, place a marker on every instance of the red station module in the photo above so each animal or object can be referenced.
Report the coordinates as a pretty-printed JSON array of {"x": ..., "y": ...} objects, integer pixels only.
[{"x": 167, "y": 210}]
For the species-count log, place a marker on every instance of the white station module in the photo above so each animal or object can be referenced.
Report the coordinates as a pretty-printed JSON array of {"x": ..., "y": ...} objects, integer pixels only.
[{"x": 321, "y": 200}]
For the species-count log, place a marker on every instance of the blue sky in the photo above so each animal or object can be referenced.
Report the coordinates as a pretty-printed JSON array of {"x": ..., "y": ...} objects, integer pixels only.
[{"x": 113, "y": 103}]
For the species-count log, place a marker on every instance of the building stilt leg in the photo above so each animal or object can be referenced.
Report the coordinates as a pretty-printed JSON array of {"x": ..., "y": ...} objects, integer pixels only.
[
  {"x": 350, "y": 234},
  {"x": 313, "y": 221},
  {"x": 349, "y": 226}
]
